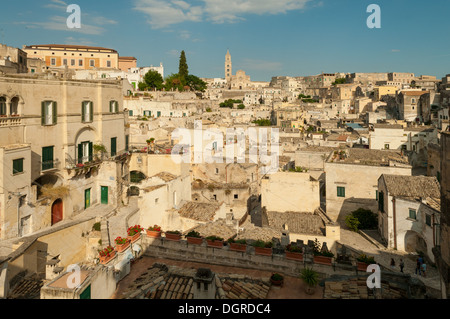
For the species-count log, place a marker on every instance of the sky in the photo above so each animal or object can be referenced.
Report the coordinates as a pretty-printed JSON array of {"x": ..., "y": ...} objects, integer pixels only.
[{"x": 266, "y": 38}]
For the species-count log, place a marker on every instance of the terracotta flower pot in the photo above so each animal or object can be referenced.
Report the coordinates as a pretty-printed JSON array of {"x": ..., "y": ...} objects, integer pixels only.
[
  {"x": 215, "y": 243},
  {"x": 134, "y": 237},
  {"x": 123, "y": 247},
  {"x": 153, "y": 234},
  {"x": 294, "y": 256},
  {"x": 238, "y": 247},
  {"x": 362, "y": 266},
  {"x": 322, "y": 260},
  {"x": 173, "y": 237},
  {"x": 277, "y": 282},
  {"x": 263, "y": 251},
  {"x": 194, "y": 240},
  {"x": 105, "y": 259}
]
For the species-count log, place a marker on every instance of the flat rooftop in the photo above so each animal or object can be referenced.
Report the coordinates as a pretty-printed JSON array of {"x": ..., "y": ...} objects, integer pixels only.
[{"x": 360, "y": 156}]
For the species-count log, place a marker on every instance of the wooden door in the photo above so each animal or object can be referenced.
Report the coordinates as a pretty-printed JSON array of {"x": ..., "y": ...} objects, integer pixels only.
[{"x": 57, "y": 211}]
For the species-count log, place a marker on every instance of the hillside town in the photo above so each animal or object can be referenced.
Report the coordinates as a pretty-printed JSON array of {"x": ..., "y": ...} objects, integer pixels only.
[{"x": 123, "y": 182}]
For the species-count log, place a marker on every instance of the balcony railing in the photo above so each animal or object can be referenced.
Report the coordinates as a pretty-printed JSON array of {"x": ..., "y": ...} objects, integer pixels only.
[
  {"x": 48, "y": 165},
  {"x": 10, "y": 121}
]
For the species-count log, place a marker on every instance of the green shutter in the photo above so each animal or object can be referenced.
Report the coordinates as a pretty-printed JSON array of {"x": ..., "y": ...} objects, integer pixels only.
[
  {"x": 90, "y": 151},
  {"x": 43, "y": 113},
  {"x": 91, "y": 112},
  {"x": 80, "y": 153},
  {"x": 55, "y": 112},
  {"x": 113, "y": 146},
  {"x": 83, "y": 111},
  {"x": 47, "y": 158}
]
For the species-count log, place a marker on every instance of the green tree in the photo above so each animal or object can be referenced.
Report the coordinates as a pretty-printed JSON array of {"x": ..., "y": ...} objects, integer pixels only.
[
  {"x": 152, "y": 80},
  {"x": 195, "y": 83},
  {"x": 183, "y": 69},
  {"x": 173, "y": 81}
]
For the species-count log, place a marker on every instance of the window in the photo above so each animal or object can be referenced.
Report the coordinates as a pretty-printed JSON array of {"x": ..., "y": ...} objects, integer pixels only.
[
  {"x": 17, "y": 166},
  {"x": 49, "y": 113},
  {"x": 127, "y": 142},
  {"x": 114, "y": 107},
  {"x": 156, "y": 200},
  {"x": 236, "y": 196},
  {"x": 80, "y": 62},
  {"x": 92, "y": 63},
  {"x": 381, "y": 202},
  {"x": 47, "y": 158},
  {"x": 72, "y": 62},
  {"x": 65, "y": 62},
  {"x": 340, "y": 191},
  {"x": 2, "y": 106},
  {"x": 412, "y": 214},
  {"x": 428, "y": 219},
  {"x": 87, "y": 111},
  {"x": 85, "y": 152},
  {"x": 130, "y": 112},
  {"x": 113, "y": 146},
  {"x": 386, "y": 146},
  {"x": 53, "y": 61},
  {"x": 108, "y": 64}
]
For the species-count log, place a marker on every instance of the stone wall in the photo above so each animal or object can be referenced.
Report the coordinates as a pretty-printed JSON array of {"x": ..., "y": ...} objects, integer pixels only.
[{"x": 393, "y": 286}]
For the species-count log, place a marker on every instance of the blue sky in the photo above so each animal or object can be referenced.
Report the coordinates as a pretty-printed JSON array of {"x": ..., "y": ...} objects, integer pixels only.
[{"x": 265, "y": 37}]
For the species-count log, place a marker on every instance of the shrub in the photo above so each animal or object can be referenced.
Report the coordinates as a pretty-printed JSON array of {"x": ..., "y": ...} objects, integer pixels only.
[
  {"x": 155, "y": 228},
  {"x": 214, "y": 238},
  {"x": 194, "y": 234},
  {"x": 367, "y": 219},
  {"x": 309, "y": 276},
  {"x": 366, "y": 259},
  {"x": 277, "y": 277},
  {"x": 174, "y": 232},
  {"x": 96, "y": 226},
  {"x": 262, "y": 244},
  {"x": 352, "y": 222},
  {"x": 294, "y": 249}
]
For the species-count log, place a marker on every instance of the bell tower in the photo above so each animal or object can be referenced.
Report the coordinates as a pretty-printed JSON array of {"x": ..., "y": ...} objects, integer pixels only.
[{"x": 228, "y": 67}]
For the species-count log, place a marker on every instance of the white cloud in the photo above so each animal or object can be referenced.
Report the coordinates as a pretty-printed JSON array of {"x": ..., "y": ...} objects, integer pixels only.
[
  {"x": 162, "y": 14},
  {"x": 231, "y": 11}
]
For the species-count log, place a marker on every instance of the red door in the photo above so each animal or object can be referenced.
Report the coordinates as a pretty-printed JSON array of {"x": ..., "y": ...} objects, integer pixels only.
[{"x": 57, "y": 211}]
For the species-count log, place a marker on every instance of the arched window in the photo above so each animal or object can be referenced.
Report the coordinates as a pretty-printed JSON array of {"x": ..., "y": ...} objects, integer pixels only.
[{"x": 2, "y": 105}]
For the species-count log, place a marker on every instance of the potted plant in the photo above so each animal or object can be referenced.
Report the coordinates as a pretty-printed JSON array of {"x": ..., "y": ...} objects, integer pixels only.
[
  {"x": 321, "y": 256},
  {"x": 277, "y": 279},
  {"x": 363, "y": 261},
  {"x": 263, "y": 248},
  {"x": 311, "y": 279},
  {"x": 294, "y": 253},
  {"x": 154, "y": 231},
  {"x": 173, "y": 235},
  {"x": 106, "y": 255},
  {"x": 134, "y": 232},
  {"x": 214, "y": 241},
  {"x": 194, "y": 237},
  {"x": 238, "y": 245},
  {"x": 121, "y": 244}
]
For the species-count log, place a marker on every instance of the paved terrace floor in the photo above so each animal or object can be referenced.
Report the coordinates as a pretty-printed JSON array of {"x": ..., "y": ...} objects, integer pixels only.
[
  {"x": 383, "y": 257},
  {"x": 293, "y": 288},
  {"x": 92, "y": 212}
]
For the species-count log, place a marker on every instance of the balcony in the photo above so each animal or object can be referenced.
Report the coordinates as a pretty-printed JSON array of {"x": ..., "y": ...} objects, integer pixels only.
[
  {"x": 14, "y": 120},
  {"x": 50, "y": 165}
]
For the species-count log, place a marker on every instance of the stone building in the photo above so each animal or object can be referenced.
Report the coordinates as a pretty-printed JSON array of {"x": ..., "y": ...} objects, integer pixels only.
[
  {"x": 12, "y": 60},
  {"x": 74, "y": 56},
  {"x": 352, "y": 178},
  {"x": 51, "y": 169},
  {"x": 408, "y": 211},
  {"x": 408, "y": 104},
  {"x": 442, "y": 251}
]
